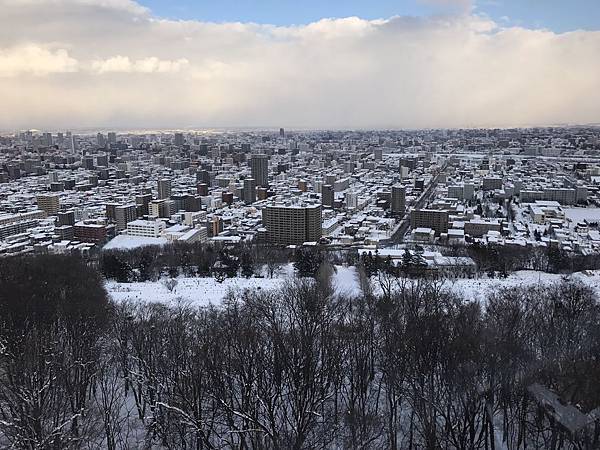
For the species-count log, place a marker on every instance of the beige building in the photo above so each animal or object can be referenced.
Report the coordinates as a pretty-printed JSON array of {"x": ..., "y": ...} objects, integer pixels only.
[{"x": 49, "y": 203}]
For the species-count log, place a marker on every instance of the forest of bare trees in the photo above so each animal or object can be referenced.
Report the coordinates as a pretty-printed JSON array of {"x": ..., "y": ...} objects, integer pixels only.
[{"x": 416, "y": 367}]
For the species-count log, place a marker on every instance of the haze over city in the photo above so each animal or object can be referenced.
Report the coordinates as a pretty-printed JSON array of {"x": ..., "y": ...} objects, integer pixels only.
[{"x": 382, "y": 64}]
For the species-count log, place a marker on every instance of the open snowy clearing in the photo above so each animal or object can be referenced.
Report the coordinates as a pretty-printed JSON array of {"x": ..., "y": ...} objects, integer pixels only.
[
  {"x": 207, "y": 291},
  {"x": 582, "y": 214},
  {"x": 476, "y": 289}
]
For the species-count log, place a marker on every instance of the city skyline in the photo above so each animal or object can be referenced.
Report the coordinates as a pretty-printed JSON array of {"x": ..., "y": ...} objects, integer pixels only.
[{"x": 444, "y": 64}]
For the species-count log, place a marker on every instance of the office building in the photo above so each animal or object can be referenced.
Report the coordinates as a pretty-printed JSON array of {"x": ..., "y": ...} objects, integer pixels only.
[
  {"x": 249, "y": 190},
  {"x": 164, "y": 188},
  {"x": 398, "y": 200},
  {"x": 259, "y": 165},
  {"x": 179, "y": 139},
  {"x": 146, "y": 228},
  {"x": 327, "y": 195}
]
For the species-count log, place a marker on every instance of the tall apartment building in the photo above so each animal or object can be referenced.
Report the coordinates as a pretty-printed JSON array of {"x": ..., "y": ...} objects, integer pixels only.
[
  {"x": 49, "y": 203},
  {"x": 351, "y": 200},
  {"x": 249, "y": 190},
  {"x": 398, "y": 200},
  {"x": 66, "y": 218},
  {"x": 327, "y": 195},
  {"x": 143, "y": 201},
  {"x": 430, "y": 218},
  {"x": 160, "y": 208},
  {"x": 179, "y": 139},
  {"x": 259, "y": 166},
  {"x": 164, "y": 188},
  {"x": 292, "y": 224},
  {"x": 125, "y": 214},
  {"x": 378, "y": 153}
]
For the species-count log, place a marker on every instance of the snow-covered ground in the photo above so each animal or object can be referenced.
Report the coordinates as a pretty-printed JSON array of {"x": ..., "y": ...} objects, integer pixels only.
[
  {"x": 205, "y": 291},
  {"x": 196, "y": 291},
  {"x": 125, "y": 242},
  {"x": 581, "y": 214},
  {"x": 476, "y": 289}
]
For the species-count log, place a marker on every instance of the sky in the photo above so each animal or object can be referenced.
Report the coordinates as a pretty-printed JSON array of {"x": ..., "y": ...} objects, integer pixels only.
[
  {"x": 556, "y": 15},
  {"x": 310, "y": 64}
]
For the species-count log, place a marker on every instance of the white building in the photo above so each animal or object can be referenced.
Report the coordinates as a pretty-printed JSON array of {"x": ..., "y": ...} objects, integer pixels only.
[{"x": 146, "y": 228}]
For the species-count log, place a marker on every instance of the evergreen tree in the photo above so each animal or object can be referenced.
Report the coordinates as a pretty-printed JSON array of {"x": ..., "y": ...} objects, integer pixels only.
[
  {"x": 114, "y": 268},
  {"x": 308, "y": 261},
  {"x": 247, "y": 265}
]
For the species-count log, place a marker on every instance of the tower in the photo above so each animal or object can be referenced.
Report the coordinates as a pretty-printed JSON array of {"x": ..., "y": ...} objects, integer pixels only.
[
  {"x": 259, "y": 165},
  {"x": 164, "y": 188}
]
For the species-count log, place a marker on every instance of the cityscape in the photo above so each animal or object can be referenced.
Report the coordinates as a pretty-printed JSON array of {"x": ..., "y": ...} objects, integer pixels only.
[
  {"x": 364, "y": 190},
  {"x": 270, "y": 225}
]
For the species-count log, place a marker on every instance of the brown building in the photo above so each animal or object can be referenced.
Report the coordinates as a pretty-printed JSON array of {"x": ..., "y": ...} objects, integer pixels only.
[
  {"x": 292, "y": 224},
  {"x": 430, "y": 218},
  {"x": 90, "y": 232}
]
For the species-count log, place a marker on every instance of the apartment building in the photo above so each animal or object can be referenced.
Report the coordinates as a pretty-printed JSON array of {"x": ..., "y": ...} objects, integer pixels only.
[
  {"x": 49, "y": 203},
  {"x": 292, "y": 224},
  {"x": 435, "y": 219}
]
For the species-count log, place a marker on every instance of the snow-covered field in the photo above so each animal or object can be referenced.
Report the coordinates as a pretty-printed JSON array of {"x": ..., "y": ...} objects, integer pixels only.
[
  {"x": 581, "y": 214},
  {"x": 124, "y": 242},
  {"x": 197, "y": 291},
  {"x": 476, "y": 289},
  {"x": 205, "y": 291}
]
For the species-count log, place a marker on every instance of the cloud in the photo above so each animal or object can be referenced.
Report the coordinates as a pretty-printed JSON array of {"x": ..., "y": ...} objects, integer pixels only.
[
  {"x": 112, "y": 63},
  {"x": 146, "y": 65},
  {"x": 35, "y": 60}
]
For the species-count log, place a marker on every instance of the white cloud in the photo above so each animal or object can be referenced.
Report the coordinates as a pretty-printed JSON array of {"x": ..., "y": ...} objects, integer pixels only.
[
  {"x": 110, "y": 62},
  {"x": 35, "y": 60},
  {"x": 146, "y": 65}
]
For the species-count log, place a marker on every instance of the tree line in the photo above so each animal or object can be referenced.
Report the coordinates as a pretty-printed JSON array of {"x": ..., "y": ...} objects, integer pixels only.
[
  {"x": 410, "y": 365},
  {"x": 249, "y": 260}
]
